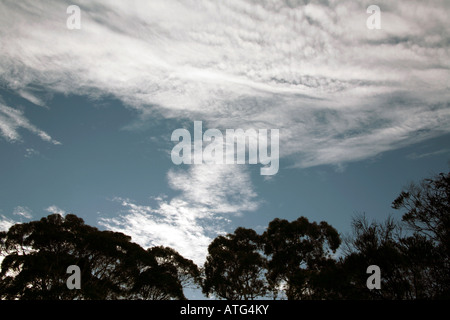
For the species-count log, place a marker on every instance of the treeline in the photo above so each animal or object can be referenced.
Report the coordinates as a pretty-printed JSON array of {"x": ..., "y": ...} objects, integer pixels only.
[{"x": 290, "y": 260}]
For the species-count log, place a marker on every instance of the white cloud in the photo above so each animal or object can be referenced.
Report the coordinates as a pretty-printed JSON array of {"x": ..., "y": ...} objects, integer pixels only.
[
  {"x": 416, "y": 155},
  {"x": 55, "y": 209},
  {"x": 169, "y": 225},
  {"x": 32, "y": 97},
  {"x": 338, "y": 91},
  {"x": 24, "y": 212},
  {"x": 188, "y": 222},
  {"x": 11, "y": 120},
  {"x": 220, "y": 188},
  {"x": 20, "y": 211},
  {"x": 30, "y": 152},
  {"x": 6, "y": 223}
]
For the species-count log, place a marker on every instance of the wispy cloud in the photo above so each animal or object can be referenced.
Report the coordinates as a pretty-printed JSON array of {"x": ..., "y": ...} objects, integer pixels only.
[
  {"x": 171, "y": 225},
  {"x": 23, "y": 212},
  {"x": 31, "y": 97},
  {"x": 55, "y": 209},
  {"x": 337, "y": 91},
  {"x": 219, "y": 188},
  {"x": 416, "y": 155},
  {"x": 30, "y": 152},
  {"x": 6, "y": 223},
  {"x": 12, "y": 120},
  {"x": 210, "y": 196}
]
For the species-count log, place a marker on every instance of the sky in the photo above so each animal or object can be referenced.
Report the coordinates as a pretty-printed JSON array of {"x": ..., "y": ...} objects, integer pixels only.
[{"x": 86, "y": 115}]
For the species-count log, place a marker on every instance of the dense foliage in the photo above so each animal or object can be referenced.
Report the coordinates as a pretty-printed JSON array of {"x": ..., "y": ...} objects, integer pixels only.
[{"x": 38, "y": 253}]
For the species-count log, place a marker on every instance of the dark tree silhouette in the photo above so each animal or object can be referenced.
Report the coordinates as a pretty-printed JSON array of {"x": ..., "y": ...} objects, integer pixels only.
[
  {"x": 234, "y": 268},
  {"x": 413, "y": 254},
  {"x": 427, "y": 206},
  {"x": 38, "y": 253},
  {"x": 298, "y": 250},
  {"x": 427, "y": 215},
  {"x": 374, "y": 243},
  {"x": 186, "y": 270}
]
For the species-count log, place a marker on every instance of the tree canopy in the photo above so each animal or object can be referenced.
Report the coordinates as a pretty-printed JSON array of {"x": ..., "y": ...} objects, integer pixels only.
[
  {"x": 297, "y": 251},
  {"x": 38, "y": 253},
  {"x": 234, "y": 268},
  {"x": 298, "y": 259}
]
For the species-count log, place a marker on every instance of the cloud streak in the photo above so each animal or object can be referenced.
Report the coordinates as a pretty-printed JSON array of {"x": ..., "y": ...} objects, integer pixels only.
[
  {"x": 12, "y": 120},
  {"x": 23, "y": 212}
]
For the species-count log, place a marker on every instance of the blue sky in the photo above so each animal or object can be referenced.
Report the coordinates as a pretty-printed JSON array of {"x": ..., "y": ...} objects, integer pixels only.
[{"x": 86, "y": 115}]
